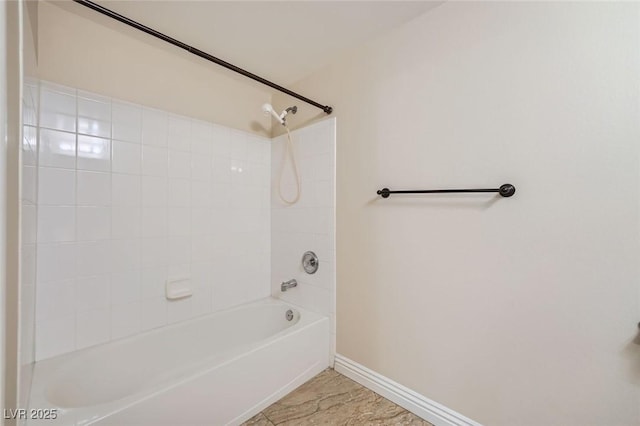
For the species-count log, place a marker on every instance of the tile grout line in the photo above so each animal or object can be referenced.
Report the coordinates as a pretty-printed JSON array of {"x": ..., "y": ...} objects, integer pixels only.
[{"x": 267, "y": 417}]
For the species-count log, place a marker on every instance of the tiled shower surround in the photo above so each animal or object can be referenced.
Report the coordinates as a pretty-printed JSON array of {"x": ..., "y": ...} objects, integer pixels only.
[
  {"x": 129, "y": 197},
  {"x": 308, "y": 224}
]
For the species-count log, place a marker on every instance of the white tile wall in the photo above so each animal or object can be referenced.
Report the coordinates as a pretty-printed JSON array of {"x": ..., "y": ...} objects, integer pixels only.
[
  {"x": 310, "y": 223},
  {"x": 126, "y": 122},
  {"x": 57, "y": 149},
  {"x": 128, "y": 197},
  {"x": 94, "y": 153},
  {"x": 94, "y": 115},
  {"x": 58, "y": 108}
]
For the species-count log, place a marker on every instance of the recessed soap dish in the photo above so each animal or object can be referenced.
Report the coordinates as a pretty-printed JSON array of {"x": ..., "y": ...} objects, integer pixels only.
[{"x": 178, "y": 288}]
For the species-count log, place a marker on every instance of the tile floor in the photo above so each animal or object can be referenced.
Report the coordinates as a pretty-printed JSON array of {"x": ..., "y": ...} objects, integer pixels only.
[{"x": 333, "y": 399}]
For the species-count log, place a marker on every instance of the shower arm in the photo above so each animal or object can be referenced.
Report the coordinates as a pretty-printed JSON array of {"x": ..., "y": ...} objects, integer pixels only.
[{"x": 204, "y": 55}]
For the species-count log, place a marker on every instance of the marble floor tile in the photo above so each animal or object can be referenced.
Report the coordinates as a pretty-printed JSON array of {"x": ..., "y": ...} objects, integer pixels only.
[
  {"x": 258, "y": 420},
  {"x": 333, "y": 399}
]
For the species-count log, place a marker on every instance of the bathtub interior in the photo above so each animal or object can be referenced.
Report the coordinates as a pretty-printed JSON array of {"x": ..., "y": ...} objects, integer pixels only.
[{"x": 99, "y": 381}]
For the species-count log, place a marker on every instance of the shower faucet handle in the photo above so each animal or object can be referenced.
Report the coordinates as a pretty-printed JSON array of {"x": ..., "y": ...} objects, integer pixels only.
[{"x": 310, "y": 262}]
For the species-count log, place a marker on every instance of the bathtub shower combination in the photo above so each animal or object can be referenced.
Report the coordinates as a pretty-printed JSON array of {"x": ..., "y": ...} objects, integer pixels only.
[
  {"x": 162, "y": 249},
  {"x": 219, "y": 369}
]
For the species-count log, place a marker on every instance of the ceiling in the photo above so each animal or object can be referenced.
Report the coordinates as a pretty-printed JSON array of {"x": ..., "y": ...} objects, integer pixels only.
[{"x": 282, "y": 41}]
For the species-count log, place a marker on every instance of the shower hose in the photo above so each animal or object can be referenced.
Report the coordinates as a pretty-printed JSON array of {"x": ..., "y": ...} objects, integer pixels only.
[{"x": 288, "y": 152}]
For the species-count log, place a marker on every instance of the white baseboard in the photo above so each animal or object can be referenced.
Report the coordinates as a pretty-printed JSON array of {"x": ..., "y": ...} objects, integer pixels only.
[{"x": 419, "y": 405}]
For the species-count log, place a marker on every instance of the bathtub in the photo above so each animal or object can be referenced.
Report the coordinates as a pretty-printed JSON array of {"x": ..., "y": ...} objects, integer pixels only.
[{"x": 218, "y": 369}]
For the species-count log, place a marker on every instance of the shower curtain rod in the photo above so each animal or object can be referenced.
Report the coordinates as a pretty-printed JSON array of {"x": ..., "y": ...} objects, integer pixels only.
[{"x": 111, "y": 14}]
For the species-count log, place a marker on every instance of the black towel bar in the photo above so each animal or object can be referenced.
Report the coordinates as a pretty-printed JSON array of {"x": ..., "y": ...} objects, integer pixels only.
[{"x": 506, "y": 190}]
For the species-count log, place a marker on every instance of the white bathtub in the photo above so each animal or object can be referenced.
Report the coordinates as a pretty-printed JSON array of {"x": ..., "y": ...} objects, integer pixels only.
[{"x": 214, "y": 370}]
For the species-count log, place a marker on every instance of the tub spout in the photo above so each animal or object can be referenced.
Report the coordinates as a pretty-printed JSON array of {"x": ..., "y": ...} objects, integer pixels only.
[{"x": 288, "y": 284}]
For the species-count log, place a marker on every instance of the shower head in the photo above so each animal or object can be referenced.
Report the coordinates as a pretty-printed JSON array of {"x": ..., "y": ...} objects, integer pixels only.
[{"x": 268, "y": 109}]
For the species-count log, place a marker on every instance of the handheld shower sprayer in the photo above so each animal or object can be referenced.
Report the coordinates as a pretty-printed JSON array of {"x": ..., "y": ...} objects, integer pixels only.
[
  {"x": 287, "y": 152},
  {"x": 268, "y": 109}
]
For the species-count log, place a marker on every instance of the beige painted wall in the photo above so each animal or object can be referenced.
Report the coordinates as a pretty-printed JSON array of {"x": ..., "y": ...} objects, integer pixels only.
[
  {"x": 510, "y": 311},
  {"x": 30, "y": 35},
  {"x": 79, "y": 48}
]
